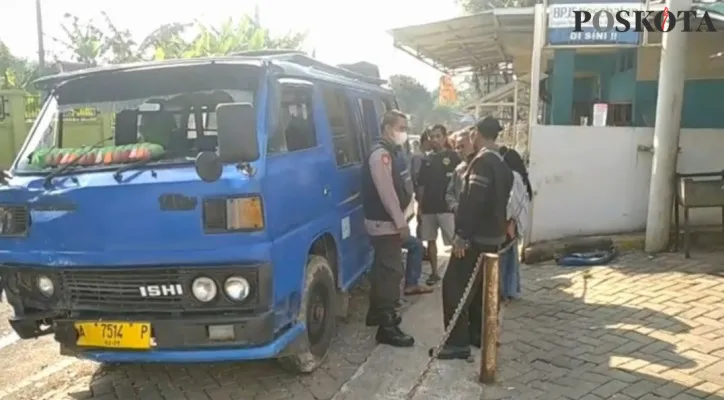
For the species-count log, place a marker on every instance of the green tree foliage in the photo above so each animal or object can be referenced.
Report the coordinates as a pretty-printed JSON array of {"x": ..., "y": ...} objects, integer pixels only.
[
  {"x": 15, "y": 73},
  {"x": 230, "y": 37},
  {"x": 92, "y": 43},
  {"x": 412, "y": 96},
  {"x": 84, "y": 40}
]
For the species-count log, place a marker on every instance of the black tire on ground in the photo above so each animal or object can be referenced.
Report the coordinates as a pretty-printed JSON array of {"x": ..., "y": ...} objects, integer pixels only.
[{"x": 319, "y": 313}]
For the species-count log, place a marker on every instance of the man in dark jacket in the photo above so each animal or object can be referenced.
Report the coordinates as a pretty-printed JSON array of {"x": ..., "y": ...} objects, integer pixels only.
[{"x": 480, "y": 226}]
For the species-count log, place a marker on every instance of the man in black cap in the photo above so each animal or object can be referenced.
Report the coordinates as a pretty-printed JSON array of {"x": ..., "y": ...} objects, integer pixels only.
[{"x": 480, "y": 227}]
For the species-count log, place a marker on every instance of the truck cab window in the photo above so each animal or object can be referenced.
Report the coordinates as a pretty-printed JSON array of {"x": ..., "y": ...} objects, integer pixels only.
[
  {"x": 295, "y": 127},
  {"x": 370, "y": 125},
  {"x": 390, "y": 103},
  {"x": 343, "y": 126}
]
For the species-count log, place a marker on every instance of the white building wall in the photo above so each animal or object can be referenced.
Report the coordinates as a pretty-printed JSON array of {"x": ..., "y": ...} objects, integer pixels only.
[{"x": 591, "y": 181}]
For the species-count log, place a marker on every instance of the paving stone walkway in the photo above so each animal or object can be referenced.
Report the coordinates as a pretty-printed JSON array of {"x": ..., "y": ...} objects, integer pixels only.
[{"x": 644, "y": 328}]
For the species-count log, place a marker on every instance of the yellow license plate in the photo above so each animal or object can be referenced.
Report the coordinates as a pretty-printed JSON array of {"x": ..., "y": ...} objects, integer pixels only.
[{"x": 115, "y": 335}]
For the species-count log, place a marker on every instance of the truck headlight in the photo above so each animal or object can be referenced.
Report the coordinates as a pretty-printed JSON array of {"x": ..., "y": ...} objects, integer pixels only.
[
  {"x": 237, "y": 288},
  {"x": 46, "y": 287},
  {"x": 204, "y": 289}
]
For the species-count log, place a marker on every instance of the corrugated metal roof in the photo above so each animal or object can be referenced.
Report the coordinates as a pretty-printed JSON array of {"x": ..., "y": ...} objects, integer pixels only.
[
  {"x": 712, "y": 7},
  {"x": 467, "y": 42}
]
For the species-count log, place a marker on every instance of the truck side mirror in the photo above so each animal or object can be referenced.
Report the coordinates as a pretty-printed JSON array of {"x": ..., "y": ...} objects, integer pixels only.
[
  {"x": 208, "y": 166},
  {"x": 236, "y": 130}
]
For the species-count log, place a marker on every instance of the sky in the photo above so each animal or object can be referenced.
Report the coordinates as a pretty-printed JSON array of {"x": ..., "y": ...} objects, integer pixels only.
[{"x": 340, "y": 31}]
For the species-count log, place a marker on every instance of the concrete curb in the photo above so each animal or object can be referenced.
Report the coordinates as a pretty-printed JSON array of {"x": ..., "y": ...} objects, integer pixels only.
[
  {"x": 389, "y": 373},
  {"x": 546, "y": 251}
]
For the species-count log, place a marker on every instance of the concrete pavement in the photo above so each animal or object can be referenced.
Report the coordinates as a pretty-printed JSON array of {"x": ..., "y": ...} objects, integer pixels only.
[{"x": 644, "y": 328}]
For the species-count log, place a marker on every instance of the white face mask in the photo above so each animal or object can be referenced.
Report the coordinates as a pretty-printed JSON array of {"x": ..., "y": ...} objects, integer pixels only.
[{"x": 400, "y": 138}]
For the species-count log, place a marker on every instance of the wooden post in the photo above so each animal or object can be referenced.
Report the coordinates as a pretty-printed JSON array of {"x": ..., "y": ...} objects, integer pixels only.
[{"x": 491, "y": 298}]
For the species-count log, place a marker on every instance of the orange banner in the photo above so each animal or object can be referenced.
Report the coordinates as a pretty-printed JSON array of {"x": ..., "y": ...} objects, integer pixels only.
[{"x": 447, "y": 91}]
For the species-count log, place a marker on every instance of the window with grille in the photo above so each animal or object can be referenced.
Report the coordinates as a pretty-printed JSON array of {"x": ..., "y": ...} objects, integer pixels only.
[{"x": 620, "y": 114}]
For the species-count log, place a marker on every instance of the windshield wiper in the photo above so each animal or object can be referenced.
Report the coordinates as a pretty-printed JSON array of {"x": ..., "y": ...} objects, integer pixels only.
[
  {"x": 49, "y": 178},
  {"x": 117, "y": 175},
  {"x": 4, "y": 177}
]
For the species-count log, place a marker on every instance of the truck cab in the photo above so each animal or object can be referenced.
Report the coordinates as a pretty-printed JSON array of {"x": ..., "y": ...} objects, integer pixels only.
[{"x": 216, "y": 217}]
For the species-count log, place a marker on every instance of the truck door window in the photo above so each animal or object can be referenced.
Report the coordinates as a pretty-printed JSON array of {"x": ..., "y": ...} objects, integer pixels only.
[
  {"x": 345, "y": 131},
  {"x": 380, "y": 109},
  {"x": 390, "y": 104},
  {"x": 295, "y": 128},
  {"x": 369, "y": 121}
]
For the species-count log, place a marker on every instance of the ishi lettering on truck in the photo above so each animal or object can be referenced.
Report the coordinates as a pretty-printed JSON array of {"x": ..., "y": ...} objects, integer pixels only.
[{"x": 221, "y": 213}]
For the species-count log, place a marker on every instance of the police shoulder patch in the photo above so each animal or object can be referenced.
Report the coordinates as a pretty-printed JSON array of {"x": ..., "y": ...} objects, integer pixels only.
[{"x": 386, "y": 159}]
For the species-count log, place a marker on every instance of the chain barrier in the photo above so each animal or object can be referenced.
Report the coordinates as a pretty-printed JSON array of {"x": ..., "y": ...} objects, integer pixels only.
[{"x": 458, "y": 310}]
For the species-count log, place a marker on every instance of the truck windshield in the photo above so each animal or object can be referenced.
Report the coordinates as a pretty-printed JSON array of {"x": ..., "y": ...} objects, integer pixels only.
[{"x": 164, "y": 121}]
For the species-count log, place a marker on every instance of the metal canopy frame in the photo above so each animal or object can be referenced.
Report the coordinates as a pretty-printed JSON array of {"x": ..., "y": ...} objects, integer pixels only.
[
  {"x": 470, "y": 43},
  {"x": 464, "y": 43},
  {"x": 500, "y": 98}
]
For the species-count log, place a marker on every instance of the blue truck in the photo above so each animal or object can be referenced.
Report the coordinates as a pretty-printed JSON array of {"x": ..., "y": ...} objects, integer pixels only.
[{"x": 221, "y": 221}]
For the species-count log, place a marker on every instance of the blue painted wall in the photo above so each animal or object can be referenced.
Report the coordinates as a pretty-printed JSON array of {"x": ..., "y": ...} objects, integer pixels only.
[
  {"x": 703, "y": 99},
  {"x": 703, "y": 103},
  {"x": 561, "y": 87},
  {"x": 607, "y": 83}
]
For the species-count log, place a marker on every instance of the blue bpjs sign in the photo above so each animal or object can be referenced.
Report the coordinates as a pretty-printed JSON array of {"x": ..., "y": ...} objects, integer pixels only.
[{"x": 562, "y": 23}]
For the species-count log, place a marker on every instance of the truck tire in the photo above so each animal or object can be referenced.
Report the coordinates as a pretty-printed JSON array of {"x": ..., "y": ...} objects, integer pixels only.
[{"x": 318, "y": 313}]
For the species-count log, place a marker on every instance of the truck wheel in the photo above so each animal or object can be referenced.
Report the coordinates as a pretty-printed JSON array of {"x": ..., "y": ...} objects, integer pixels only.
[{"x": 318, "y": 313}]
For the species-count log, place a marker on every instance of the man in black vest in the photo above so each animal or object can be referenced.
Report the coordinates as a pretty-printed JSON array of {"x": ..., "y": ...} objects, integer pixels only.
[{"x": 386, "y": 194}]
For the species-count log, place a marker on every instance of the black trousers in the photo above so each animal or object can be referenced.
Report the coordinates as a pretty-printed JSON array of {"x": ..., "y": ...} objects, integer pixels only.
[
  {"x": 386, "y": 274},
  {"x": 475, "y": 310},
  {"x": 457, "y": 275},
  {"x": 469, "y": 325}
]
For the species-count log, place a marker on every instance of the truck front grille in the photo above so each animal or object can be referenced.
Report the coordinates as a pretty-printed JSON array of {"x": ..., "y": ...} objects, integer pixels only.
[
  {"x": 14, "y": 220},
  {"x": 123, "y": 289}
]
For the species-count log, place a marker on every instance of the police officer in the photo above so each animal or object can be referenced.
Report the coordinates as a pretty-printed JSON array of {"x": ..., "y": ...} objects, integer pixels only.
[
  {"x": 386, "y": 194},
  {"x": 480, "y": 226}
]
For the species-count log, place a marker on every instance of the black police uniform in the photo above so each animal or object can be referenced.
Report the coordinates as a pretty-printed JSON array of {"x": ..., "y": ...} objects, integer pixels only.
[{"x": 388, "y": 269}]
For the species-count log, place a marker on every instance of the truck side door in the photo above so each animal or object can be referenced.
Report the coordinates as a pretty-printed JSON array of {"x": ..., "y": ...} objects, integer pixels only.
[
  {"x": 347, "y": 145},
  {"x": 296, "y": 187}
]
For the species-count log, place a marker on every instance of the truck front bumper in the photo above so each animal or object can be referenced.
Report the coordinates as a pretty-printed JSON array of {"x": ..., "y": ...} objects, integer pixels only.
[
  {"x": 269, "y": 350},
  {"x": 175, "y": 340}
]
